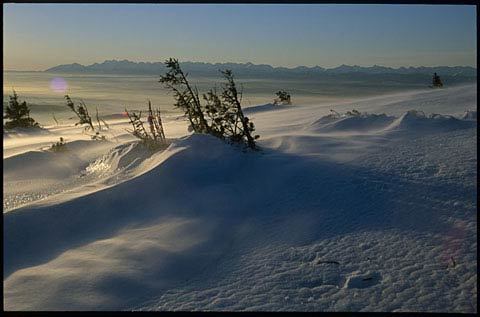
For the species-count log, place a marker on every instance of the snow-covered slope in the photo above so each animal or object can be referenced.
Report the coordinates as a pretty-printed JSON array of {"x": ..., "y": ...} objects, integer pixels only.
[{"x": 367, "y": 213}]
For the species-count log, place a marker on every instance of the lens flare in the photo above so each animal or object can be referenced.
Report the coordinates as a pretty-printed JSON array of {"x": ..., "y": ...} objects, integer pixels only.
[{"x": 58, "y": 84}]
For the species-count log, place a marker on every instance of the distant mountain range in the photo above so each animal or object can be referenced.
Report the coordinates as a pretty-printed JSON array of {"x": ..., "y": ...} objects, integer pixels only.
[{"x": 249, "y": 69}]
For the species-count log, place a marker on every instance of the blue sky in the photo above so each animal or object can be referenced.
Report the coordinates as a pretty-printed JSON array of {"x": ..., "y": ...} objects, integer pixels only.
[{"x": 38, "y": 36}]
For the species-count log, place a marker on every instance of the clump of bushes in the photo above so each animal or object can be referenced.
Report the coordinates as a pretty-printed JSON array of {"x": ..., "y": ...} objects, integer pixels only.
[
  {"x": 156, "y": 137},
  {"x": 222, "y": 116},
  {"x": 353, "y": 113},
  {"x": 283, "y": 98},
  {"x": 58, "y": 146},
  {"x": 18, "y": 114}
]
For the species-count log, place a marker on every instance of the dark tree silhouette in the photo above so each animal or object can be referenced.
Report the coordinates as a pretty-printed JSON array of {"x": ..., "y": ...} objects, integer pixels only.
[
  {"x": 186, "y": 97},
  {"x": 242, "y": 126},
  {"x": 283, "y": 98},
  {"x": 81, "y": 111},
  {"x": 222, "y": 115},
  {"x": 18, "y": 114},
  {"x": 436, "y": 81}
]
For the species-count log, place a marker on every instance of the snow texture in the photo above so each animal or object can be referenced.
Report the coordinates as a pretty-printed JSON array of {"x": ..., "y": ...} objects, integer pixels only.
[{"x": 335, "y": 213}]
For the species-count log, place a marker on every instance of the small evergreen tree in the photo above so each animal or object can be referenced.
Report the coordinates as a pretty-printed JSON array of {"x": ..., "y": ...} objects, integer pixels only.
[
  {"x": 436, "y": 81},
  {"x": 18, "y": 113},
  {"x": 222, "y": 115},
  {"x": 186, "y": 97},
  {"x": 242, "y": 126},
  {"x": 283, "y": 98}
]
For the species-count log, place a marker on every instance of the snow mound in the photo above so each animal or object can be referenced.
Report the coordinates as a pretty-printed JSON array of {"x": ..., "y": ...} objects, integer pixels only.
[
  {"x": 363, "y": 122},
  {"x": 470, "y": 115},
  {"x": 410, "y": 121},
  {"x": 123, "y": 157},
  {"x": 265, "y": 107},
  {"x": 79, "y": 167},
  {"x": 162, "y": 238},
  {"x": 414, "y": 121},
  {"x": 49, "y": 164}
]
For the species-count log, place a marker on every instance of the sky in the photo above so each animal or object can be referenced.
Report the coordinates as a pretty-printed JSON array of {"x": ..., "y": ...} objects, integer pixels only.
[{"x": 39, "y": 36}]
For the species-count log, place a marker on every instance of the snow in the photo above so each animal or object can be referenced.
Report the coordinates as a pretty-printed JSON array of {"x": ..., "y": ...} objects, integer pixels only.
[
  {"x": 375, "y": 212},
  {"x": 356, "y": 280},
  {"x": 265, "y": 107},
  {"x": 470, "y": 115},
  {"x": 418, "y": 121},
  {"x": 352, "y": 123}
]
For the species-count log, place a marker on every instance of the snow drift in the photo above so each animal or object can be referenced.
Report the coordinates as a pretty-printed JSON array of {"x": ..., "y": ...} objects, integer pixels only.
[
  {"x": 417, "y": 121},
  {"x": 470, "y": 115},
  {"x": 127, "y": 156},
  {"x": 265, "y": 107},
  {"x": 49, "y": 164},
  {"x": 412, "y": 121},
  {"x": 365, "y": 122}
]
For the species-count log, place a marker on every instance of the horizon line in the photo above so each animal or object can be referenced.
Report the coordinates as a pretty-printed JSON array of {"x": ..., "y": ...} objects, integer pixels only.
[{"x": 239, "y": 63}]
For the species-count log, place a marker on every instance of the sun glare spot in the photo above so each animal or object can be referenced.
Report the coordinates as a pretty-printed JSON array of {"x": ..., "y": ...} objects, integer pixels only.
[{"x": 58, "y": 84}]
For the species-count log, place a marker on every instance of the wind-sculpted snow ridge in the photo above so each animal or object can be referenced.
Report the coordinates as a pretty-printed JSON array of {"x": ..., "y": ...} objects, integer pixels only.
[
  {"x": 470, "y": 115},
  {"x": 364, "y": 122},
  {"x": 265, "y": 107},
  {"x": 411, "y": 121},
  {"x": 127, "y": 156},
  {"x": 417, "y": 121},
  {"x": 145, "y": 235},
  {"x": 35, "y": 175},
  {"x": 75, "y": 166}
]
